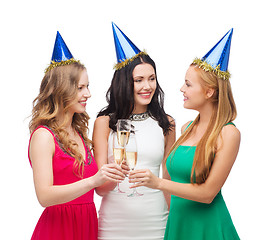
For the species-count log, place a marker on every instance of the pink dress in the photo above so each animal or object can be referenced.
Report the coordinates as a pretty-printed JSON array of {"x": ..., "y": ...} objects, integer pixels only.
[{"x": 74, "y": 220}]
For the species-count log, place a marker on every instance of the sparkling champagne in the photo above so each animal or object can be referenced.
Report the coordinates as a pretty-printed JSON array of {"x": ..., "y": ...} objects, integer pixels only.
[
  {"x": 131, "y": 159},
  {"x": 118, "y": 155},
  {"x": 123, "y": 137}
]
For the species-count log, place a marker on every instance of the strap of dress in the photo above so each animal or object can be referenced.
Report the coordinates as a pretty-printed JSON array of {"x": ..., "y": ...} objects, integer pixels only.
[
  {"x": 41, "y": 126},
  {"x": 47, "y": 128},
  {"x": 188, "y": 125},
  {"x": 230, "y": 123}
]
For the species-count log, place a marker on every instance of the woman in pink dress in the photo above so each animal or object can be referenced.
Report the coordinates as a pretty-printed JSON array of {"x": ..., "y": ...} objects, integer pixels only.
[{"x": 64, "y": 170}]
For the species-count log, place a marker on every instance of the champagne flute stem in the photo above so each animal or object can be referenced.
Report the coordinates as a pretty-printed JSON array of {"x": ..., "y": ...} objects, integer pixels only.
[{"x": 118, "y": 189}]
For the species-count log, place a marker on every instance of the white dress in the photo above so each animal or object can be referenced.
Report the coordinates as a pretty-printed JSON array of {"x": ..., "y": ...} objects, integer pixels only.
[{"x": 143, "y": 217}]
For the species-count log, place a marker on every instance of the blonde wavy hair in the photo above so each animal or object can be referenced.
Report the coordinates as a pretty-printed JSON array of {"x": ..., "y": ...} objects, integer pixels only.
[
  {"x": 224, "y": 111},
  {"x": 58, "y": 89}
]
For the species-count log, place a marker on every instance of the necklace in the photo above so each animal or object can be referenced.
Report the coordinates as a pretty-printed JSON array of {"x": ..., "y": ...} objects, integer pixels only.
[{"x": 139, "y": 116}]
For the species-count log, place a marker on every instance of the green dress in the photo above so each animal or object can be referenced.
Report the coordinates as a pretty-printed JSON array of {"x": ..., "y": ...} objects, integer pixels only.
[{"x": 190, "y": 220}]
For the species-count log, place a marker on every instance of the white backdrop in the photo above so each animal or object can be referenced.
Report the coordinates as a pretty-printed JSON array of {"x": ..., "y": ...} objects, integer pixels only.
[{"x": 173, "y": 33}]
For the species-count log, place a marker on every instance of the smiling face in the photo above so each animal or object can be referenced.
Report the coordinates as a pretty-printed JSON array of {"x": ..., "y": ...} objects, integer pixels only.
[
  {"x": 144, "y": 86},
  {"x": 195, "y": 95},
  {"x": 83, "y": 93}
]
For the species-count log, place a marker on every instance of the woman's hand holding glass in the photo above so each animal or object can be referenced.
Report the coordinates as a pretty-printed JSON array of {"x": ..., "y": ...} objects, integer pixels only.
[
  {"x": 109, "y": 172},
  {"x": 144, "y": 177}
]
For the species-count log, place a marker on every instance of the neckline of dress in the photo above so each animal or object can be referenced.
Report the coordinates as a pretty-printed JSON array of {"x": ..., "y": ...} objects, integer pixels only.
[
  {"x": 187, "y": 146},
  {"x": 139, "y": 116},
  {"x": 88, "y": 156}
]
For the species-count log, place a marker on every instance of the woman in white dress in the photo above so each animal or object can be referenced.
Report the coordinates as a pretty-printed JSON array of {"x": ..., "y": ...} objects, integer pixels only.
[{"x": 134, "y": 94}]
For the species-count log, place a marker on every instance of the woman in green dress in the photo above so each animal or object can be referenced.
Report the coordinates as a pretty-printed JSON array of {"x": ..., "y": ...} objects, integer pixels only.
[{"x": 201, "y": 159}]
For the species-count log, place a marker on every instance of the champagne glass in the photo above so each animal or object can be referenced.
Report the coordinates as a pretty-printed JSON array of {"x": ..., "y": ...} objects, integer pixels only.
[
  {"x": 119, "y": 143},
  {"x": 123, "y": 131},
  {"x": 118, "y": 154},
  {"x": 131, "y": 158}
]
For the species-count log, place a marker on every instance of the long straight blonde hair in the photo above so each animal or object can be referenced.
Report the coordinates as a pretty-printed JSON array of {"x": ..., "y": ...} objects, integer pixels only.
[
  {"x": 224, "y": 111},
  {"x": 58, "y": 89}
]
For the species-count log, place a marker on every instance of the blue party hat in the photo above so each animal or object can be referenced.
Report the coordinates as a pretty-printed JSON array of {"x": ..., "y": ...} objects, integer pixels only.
[
  {"x": 126, "y": 51},
  {"x": 61, "y": 54},
  {"x": 216, "y": 60}
]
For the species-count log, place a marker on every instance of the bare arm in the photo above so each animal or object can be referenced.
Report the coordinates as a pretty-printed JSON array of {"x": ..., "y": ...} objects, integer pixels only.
[
  {"x": 206, "y": 192},
  {"x": 42, "y": 148},
  {"x": 169, "y": 141}
]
